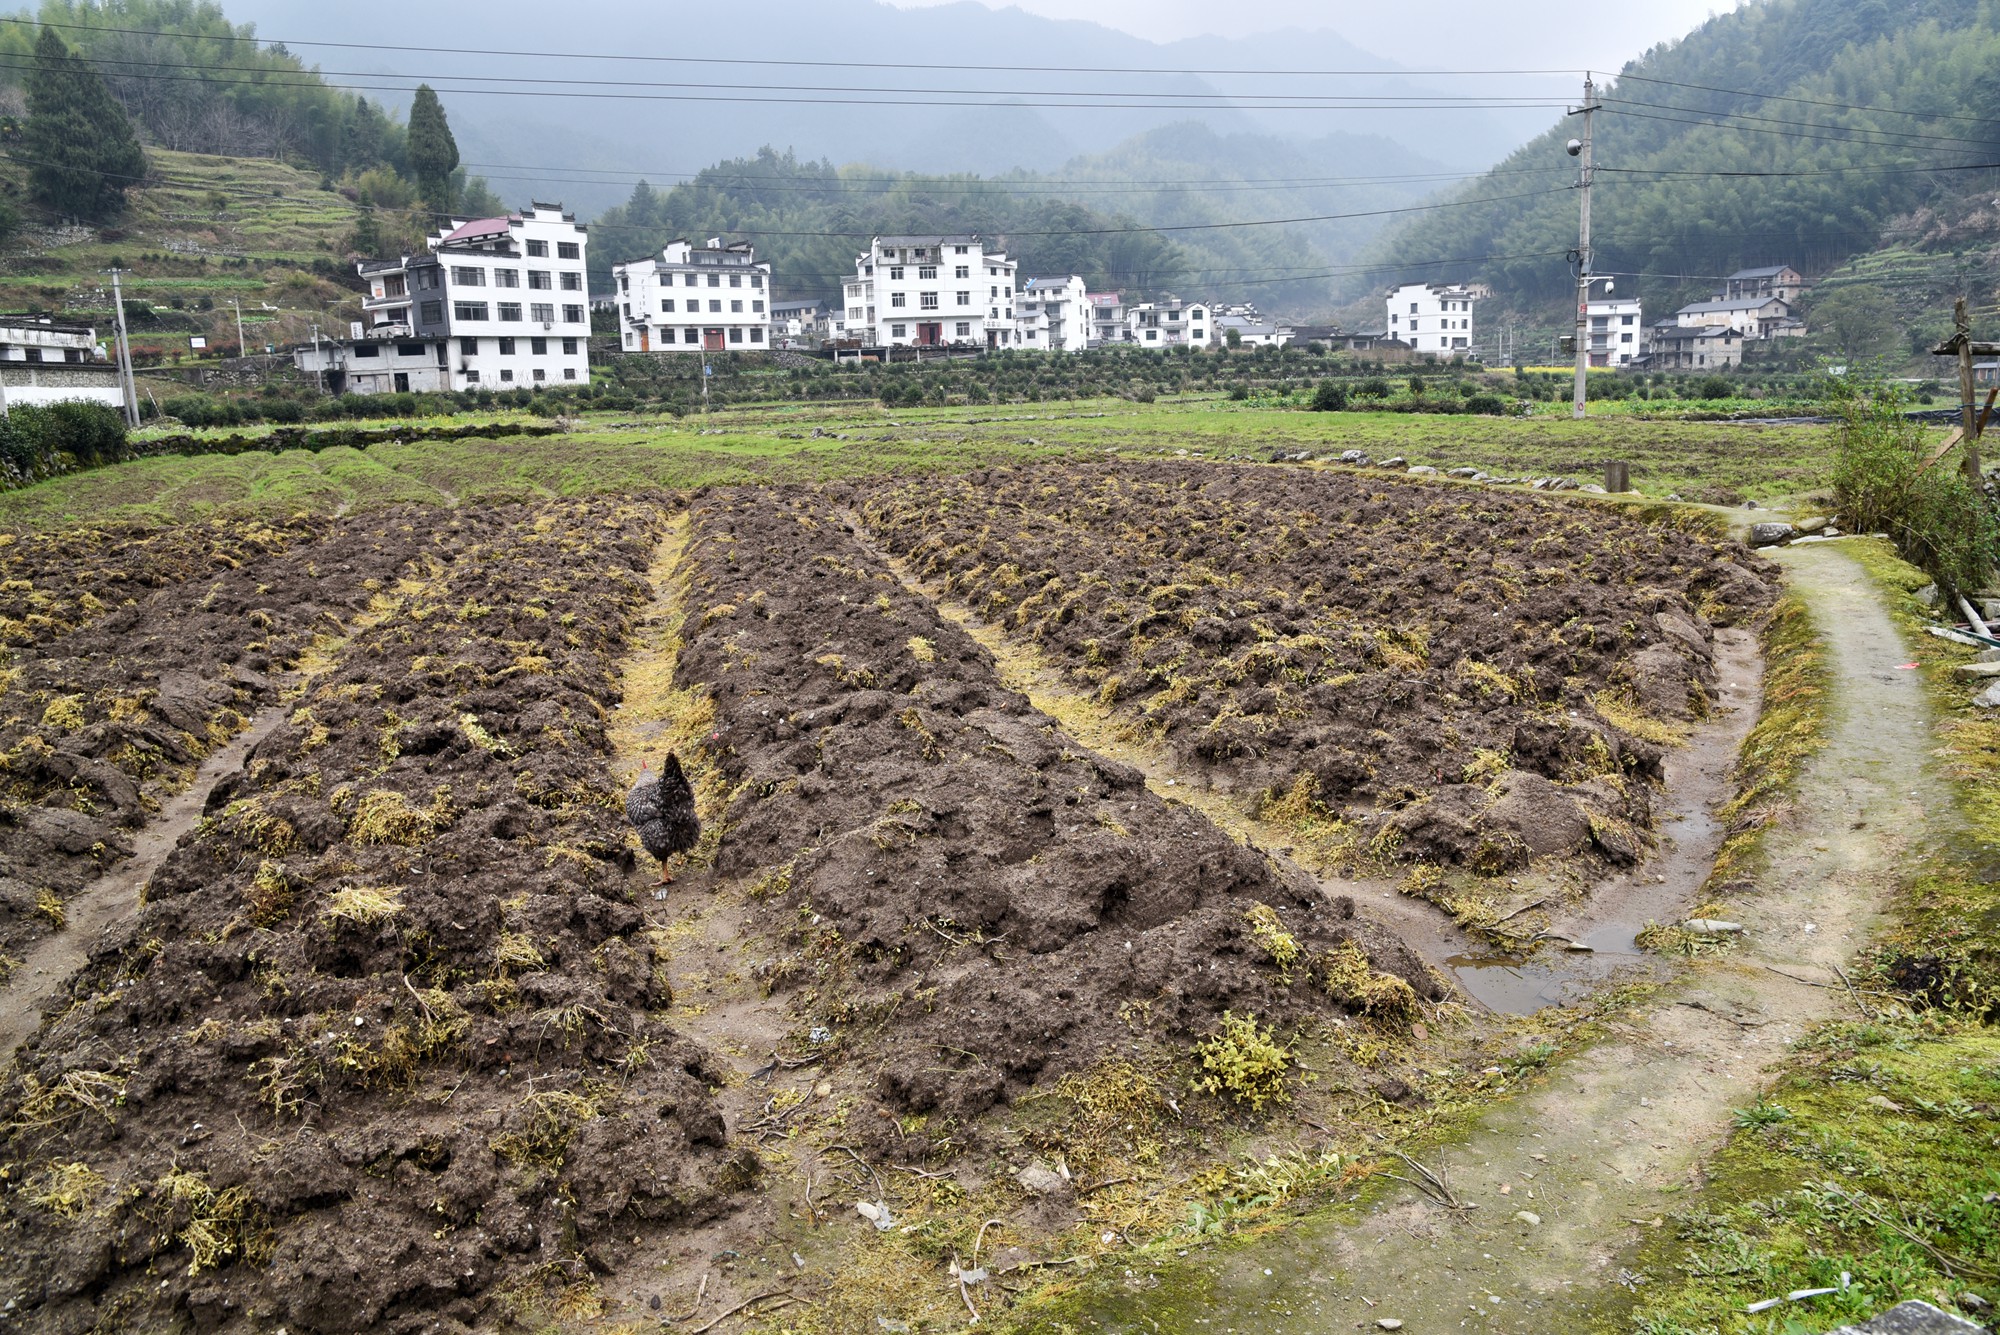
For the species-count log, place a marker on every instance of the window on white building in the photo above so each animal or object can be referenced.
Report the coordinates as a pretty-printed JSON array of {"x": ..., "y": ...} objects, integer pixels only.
[
  {"x": 715, "y": 305},
  {"x": 962, "y": 271},
  {"x": 572, "y": 282},
  {"x": 715, "y": 280},
  {"x": 756, "y": 335},
  {"x": 569, "y": 373},
  {"x": 964, "y": 327},
  {"x": 468, "y": 310},
  {"x": 540, "y": 374},
  {"x": 538, "y": 250},
  {"x": 961, "y": 250},
  {"x": 538, "y": 347},
  {"x": 896, "y": 299},
  {"x": 690, "y": 335},
  {"x": 510, "y": 310},
  {"x": 506, "y": 278},
  {"x": 469, "y": 346},
  {"x": 897, "y": 330},
  {"x": 736, "y": 280},
  {"x": 574, "y": 315},
  {"x": 541, "y": 280},
  {"x": 736, "y": 306},
  {"x": 926, "y": 271},
  {"x": 569, "y": 347},
  {"x": 569, "y": 250},
  {"x": 541, "y": 312},
  {"x": 666, "y": 305},
  {"x": 757, "y": 281},
  {"x": 506, "y": 347},
  {"x": 690, "y": 280},
  {"x": 928, "y": 301},
  {"x": 896, "y": 274},
  {"x": 466, "y": 276}
]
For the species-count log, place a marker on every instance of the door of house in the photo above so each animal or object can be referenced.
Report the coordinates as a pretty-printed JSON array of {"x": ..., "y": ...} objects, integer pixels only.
[
  {"x": 402, "y": 382},
  {"x": 930, "y": 335},
  {"x": 645, "y": 340},
  {"x": 711, "y": 340}
]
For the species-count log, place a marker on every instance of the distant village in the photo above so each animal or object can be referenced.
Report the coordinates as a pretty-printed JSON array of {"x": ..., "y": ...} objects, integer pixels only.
[{"x": 503, "y": 303}]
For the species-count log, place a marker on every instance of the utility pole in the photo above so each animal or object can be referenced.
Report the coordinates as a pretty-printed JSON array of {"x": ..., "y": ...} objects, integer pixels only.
[
  {"x": 1968, "y": 393},
  {"x": 124, "y": 354},
  {"x": 1580, "y": 148},
  {"x": 319, "y": 367},
  {"x": 241, "y": 351}
]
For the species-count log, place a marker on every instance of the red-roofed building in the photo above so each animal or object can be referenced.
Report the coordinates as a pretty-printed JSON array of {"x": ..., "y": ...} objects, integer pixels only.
[{"x": 496, "y": 303}]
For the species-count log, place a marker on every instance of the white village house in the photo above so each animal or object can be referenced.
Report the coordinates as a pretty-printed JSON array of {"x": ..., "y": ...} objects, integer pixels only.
[
  {"x": 1170, "y": 323},
  {"x": 1618, "y": 334},
  {"x": 497, "y": 303},
  {"x": 1435, "y": 319},
  {"x": 932, "y": 292},
  {"x": 1053, "y": 314},
  {"x": 43, "y": 360},
  {"x": 710, "y": 298}
]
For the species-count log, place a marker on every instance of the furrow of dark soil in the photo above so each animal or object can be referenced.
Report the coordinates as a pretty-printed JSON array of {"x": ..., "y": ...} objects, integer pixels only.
[
  {"x": 967, "y": 903},
  {"x": 1474, "y": 680},
  {"x": 155, "y": 651},
  {"x": 383, "y": 1050}
]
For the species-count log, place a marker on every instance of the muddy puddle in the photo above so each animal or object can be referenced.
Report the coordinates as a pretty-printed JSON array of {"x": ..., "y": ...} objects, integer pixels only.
[{"x": 1596, "y": 942}]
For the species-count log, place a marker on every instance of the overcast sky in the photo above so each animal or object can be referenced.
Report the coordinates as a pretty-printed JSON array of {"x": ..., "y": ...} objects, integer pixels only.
[{"x": 1416, "y": 34}]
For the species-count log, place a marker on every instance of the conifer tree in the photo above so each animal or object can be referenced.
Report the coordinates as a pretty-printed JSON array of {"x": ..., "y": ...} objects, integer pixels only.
[
  {"x": 78, "y": 141},
  {"x": 433, "y": 152}
]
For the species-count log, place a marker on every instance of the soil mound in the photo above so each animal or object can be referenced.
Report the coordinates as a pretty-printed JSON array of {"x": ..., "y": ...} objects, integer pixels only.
[
  {"x": 149, "y": 651},
  {"x": 1409, "y": 658},
  {"x": 385, "y": 1035},
  {"x": 965, "y": 903}
]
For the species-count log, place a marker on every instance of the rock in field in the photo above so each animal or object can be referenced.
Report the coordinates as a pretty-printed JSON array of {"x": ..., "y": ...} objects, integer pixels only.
[{"x": 1771, "y": 534}]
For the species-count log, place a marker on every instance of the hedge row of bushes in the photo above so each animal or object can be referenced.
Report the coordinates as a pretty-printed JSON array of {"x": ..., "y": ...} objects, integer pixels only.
[{"x": 40, "y": 440}]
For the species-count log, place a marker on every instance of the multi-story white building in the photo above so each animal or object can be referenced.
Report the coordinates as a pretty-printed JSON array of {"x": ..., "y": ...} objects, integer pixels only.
[
  {"x": 1617, "y": 325},
  {"x": 1107, "y": 319},
  {"x": 1435, "y": 319},
  {"x": 1170, "y": 323},
  {"x": 1053, "y": 314},
  {"x": 497, "y": 303},
  {"x": 711, "y": 298},
  {"x": 932, "y": 291}
]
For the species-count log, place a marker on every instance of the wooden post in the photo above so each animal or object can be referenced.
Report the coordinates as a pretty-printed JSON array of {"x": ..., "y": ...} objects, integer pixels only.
[{"x": 1967, "y": 409}]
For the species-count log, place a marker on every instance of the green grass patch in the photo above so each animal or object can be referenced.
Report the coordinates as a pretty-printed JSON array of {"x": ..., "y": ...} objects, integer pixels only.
[{"x": 1877, "y": 1156}]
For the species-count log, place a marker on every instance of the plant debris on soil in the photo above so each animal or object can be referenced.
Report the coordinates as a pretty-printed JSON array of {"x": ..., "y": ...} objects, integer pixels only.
[
  {"x": 1429, "y": 674},
  {"x": 393, "y": 1042},
  {"x": 135, "y": 655},
  {"x": 968, "y": 903},
  {"x": 386, "y": 1032}
]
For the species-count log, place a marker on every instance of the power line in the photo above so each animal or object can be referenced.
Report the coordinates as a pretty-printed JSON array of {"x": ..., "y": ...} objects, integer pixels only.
[
  {"x": 317, "y": 77},
  {"x": 1807, "y": 101},
  {"x": 789, "y": 64},
  {"x": 1246, "y": 102}
]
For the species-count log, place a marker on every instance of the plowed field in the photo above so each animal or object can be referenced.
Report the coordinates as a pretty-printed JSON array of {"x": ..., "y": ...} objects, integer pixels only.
[{"x": 402, "y": 1039}]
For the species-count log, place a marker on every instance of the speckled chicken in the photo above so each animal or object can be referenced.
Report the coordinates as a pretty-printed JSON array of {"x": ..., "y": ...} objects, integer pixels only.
[{"x": 661, "y": 807}]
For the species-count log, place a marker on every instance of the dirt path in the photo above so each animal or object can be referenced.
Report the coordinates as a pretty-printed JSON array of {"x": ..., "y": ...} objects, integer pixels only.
[
  {"x": 1602, "y": 1147},
  {"x": 54, "y": 959}
]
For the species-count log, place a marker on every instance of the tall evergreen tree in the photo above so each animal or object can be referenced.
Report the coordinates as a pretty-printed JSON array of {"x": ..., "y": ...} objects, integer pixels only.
[
  {"x": 79, "y": 143},
  {"x": 433, "y": 152}
]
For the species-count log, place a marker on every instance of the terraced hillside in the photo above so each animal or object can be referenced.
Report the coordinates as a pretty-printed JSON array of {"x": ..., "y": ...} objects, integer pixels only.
[{"x": 202, "y": 231}]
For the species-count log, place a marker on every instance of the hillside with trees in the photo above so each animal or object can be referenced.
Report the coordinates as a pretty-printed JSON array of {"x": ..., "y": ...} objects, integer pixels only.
[{"x": 1793, "y": 131}]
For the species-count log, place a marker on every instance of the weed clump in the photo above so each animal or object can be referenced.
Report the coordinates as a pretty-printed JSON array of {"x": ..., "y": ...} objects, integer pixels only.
[
  {"x": 1356, "y": 983},
  {"x": 1244, "y": 1062},
  {"x": 1269, "y": 932}
]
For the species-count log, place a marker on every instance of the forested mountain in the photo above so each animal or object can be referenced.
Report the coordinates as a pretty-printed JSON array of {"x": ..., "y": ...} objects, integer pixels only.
[
  {"x": 811, "y": 218},
  {"x": 1788, "y": 131},
  {"x": 187, "y": 75}
]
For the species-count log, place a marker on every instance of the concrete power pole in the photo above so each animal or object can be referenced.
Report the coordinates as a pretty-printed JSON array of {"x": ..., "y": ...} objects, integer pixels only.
[
  {"x": 124, "y": 354},
  {"x": 241, "y": 351},
  {"x": 1581, "y": 149}
]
